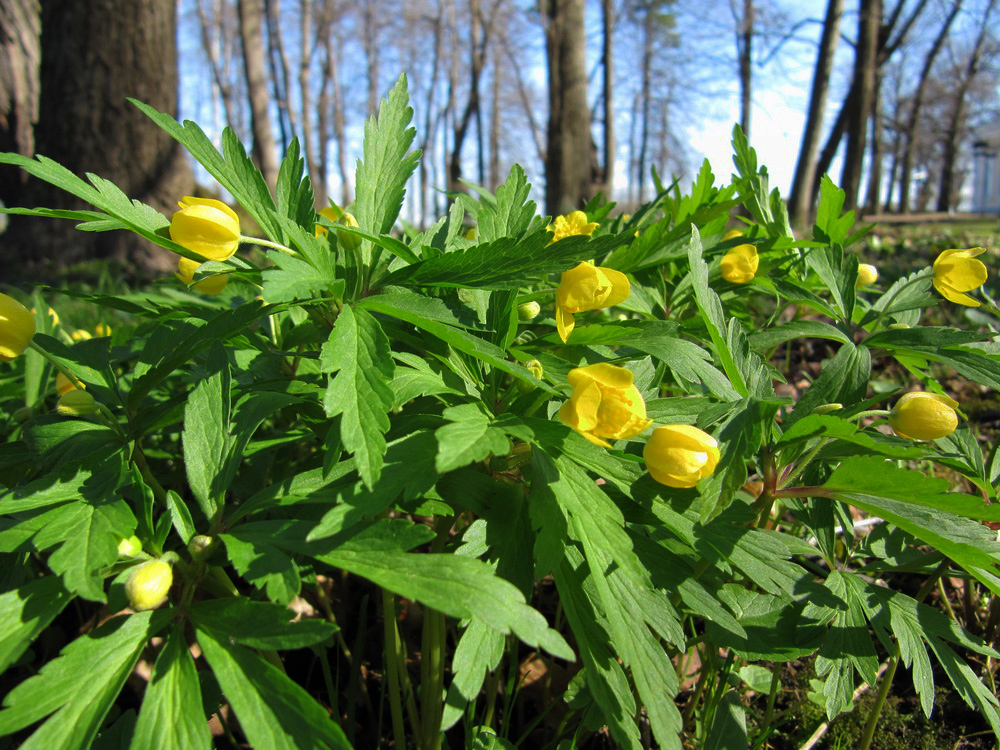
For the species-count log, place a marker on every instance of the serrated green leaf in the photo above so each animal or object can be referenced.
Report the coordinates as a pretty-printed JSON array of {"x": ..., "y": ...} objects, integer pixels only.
[
  {"x": 807, "y": 329},
  {"x": 206, "y": 431},
  {"x": 844, "y": 380},
  {"x": 291, "y": 279},
  {"x": 359, "y": 353},
  {"x": 264, "y": 564},
  {"x": 513, "y": 212},
  {"x": 259, "y": 624},
  {"x": 274, "y": 711},
  {"x": 386, "y": 167},
  {"x": 106, "y": 656},
  {"x": 26, "y": 612},
  {"x": 478, "y": 652},
  {"x": 729, "y": 724},
  {"x": 468, "y": 437},
  {"x": 171, "y": 717}
]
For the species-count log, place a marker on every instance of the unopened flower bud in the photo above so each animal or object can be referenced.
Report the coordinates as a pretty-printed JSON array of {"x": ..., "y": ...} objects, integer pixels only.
[
  {"x": 867, "y": 275},
  {"x": 22, "y": 415},
  {"x": 201, "y": 546},
  {"x": 535, "y": 368},
  {"x": 76, "y": 403},
  {"x": 207, "y": 227},
  {"x": 919, "y": 415},
  {"x": 827, "y": 408},
  {"x": 17, "y": 327},
  {"x": 350, "y": 241},
  {"x": 528, "y": 311},
  {"x": 148, "y": 585},
  {"x": 680, "y": 455},
  {"x": 130, "y": 547}
]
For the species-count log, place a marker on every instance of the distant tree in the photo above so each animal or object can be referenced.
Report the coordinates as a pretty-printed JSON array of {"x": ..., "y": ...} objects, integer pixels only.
[
  {"x": 859, "y": 115},
  {"x": 957, "y": 119},
  {"x": 94, "y": 56},
  {"x": 20, "y": 53},
  {"x": 265, "y": 149}
]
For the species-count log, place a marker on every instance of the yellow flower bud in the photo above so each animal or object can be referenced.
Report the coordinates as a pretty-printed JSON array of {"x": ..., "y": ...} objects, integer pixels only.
[
  {"x": 201, "y": 546},
  {"x": 64, "y": 385},
  {"x": 207, "y": 227},
  {"x": 680, "y": 455},
  {"x": 331, "y": 213},
  {"x": 130, "y": 547},
  {"x": 148, "y": 585},
  {"x": 535, "y": 368},
  {"x": 102, "y": 330},
  {"x": 528, "y": 311},
  {"x": 76, "y": 403},
  {"x": 924, "y": 416},
  {"x": 739, "y": 265},
  {"x": 471, "y": 234},
  {"x": 584, "y": 288},
  {"x": 867, "y": 275},
  {"x": 350, "y": 241},
  {"x": 957, "y": 272},
  {"x": 81, "y": 335},
  {"x": 186, "y": 269},
  {"x": 572, "y": 224},
  {"x": 604, "y": 405},
  {"x": 17, "y": 327}
]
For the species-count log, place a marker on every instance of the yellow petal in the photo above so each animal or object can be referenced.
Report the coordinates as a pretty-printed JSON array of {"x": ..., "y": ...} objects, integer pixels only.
[
  {"x": 611, "y": 376},
  {"x": 565, "y": 323},
  {"x": 953, "y": 295},
  {"x": 620, "y": 287}
]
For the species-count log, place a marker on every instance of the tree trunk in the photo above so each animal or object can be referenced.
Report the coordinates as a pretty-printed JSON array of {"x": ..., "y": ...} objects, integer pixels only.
[
  {"x": 910, "y": 122},
  {"x": 478, "y": 36},
  {"x": 859, "y": 115},
  {"x": 265, "y": 150},
  {"x": 874, "y": 192},
  {"x": 94, "y": 56},
  {"x": 646, "y": 95},
  {"x": 744, "y": 47},
  {"x": 800, "y": 205},
  {"x": 608, "y": 25},
  {"x": 956, "y": 123},
  {"x": 569, "y": 153},
  {"x": 20, "y": 55}
]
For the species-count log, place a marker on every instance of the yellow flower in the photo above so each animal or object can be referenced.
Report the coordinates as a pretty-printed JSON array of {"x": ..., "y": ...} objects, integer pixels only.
[
  {"x": 76, "y": 403},
  {"x": 148, "y": 585},
  {"x": 924, "y": 416},
  {"x": 604, "y": 405},
  {"x": 957, "y": 272},
  {"x": 569, "y": 225},
  {"x": 680, "y": 455},
  {"x": 17, "y": 327},
  {"x": 81, "y": 334},
  {"x": 207, "y": 227},
  {"x": 185, "y": 272},
  {"x": 740, "y": 264},
  {"x": 867, "y": 275},
  {"x": 332, "y": 213},
  {"x": 64, "y": 385},
  {"x": 102, "y": 329},
  {"x": 584, "y": 288}
]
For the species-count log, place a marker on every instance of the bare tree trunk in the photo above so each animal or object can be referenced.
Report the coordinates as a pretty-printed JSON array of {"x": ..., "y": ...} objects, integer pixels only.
[
  {"x": 372, "y": 53},
  {"x": 887, "y": 47},
  {"x": 858, "y": 117},
  {"x": 916, "y": 103},
  {"x": 94, "y": 56},
  {"x": 281, "y": 73},
  {"x": 478, "y": 37},
  {"x": 956, "y": 123},
  {"x": 306, "y": 39},
  {"x": 251, "y": 33},
  {"x": 20, "y": 57},
  {"x": 217, "y": 64},
  {"x": 430, "y": 130},
  {"x": 875, "y": 165},
  {"x": 569, "y": 165},
  {"x": 608, "y": 25},
  {"x": 800, "y": 205},
  {"x": 744, "y": 49},
  {"x": 646, "y": 95},
  {"x": 494, "y": 148}
]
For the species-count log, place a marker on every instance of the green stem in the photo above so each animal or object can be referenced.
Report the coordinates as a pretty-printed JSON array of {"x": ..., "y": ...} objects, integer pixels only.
[
  {"x": 61, "y": 368},
  {"x": 392, "y": 667},
  {"x": 803, "y": 463},
  {"x": 771, "y": 696},
  {"x": 267, "y": 243},
  {"x": 876, "y": 709}
]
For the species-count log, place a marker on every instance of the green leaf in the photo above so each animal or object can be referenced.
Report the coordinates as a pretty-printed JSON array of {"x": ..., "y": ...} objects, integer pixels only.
[
  {"x": 712, "y": 314},
  {"x": 806, "y": 329},
  {"x": 468, "y": 437},
  {"x": 843, "y": 379},
  {"x": 505, "y": 263},
  {"x": 206, "y": 432},
  {"x": 291, "y": 279},
  {"x": 729, "y": 724},
  {"x": 274, "y": 712},
  {"x": 386, "y": 167},
  {"x": 25, "y": 613},
  {"x": 833, "y": 427},
  {"x": 358, "y": 351},
  {"x": 172, "y": 717},
  {"x": 259, "y": 624},
  {"x": 776, "y": 629},
  {"x": 832, "y": 227},
  {"x": 462, "y": 341},
  {"x": 106, "y": 656},
  {"x": 264, "y": 564},
  {"x": 478, "y": 652},
  {"x": 512, "y": 214}
]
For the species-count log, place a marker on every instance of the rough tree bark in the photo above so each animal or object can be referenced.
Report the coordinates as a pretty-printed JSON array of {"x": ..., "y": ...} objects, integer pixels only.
[
  {"x": 608, "y": 69},
  {"x": 800, "y": 203},
  {"x": 96, "y": 55},
  {"x": 20, "y": 54},
  {"x": 569, "y": 160},
  {"x": 859, "y": 115},
  {"x": 265, "y": 150}
]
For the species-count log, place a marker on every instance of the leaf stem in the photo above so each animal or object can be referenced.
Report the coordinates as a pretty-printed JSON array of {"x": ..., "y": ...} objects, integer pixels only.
[
  {"x": 392, "y": 667},
  {"x": 267, "y": 243},
  {"x": 876, "y": 709},
  {"x": 61, "y": 368}
]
